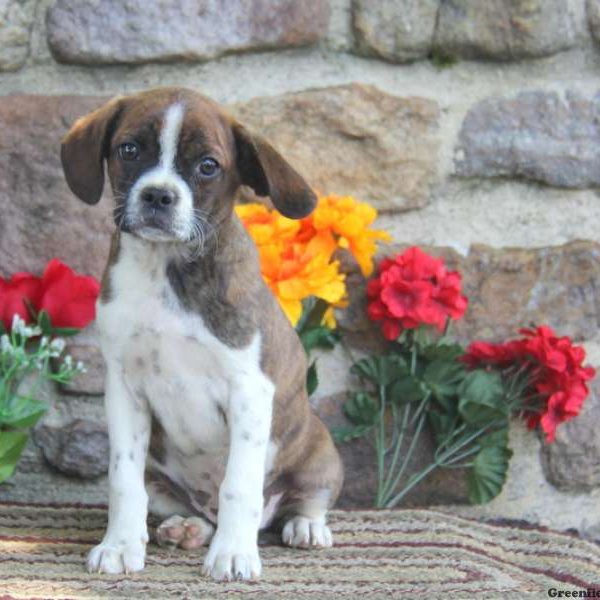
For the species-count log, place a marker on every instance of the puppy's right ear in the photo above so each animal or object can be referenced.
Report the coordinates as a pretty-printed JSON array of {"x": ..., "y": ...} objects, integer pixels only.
[{"x": 84, "y": 149}]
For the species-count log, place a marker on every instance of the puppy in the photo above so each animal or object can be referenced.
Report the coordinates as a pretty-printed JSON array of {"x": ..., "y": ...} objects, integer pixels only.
[{"x": 208, "y": 417}]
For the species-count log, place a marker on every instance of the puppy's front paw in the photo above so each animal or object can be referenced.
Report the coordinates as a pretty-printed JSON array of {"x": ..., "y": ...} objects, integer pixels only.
[
  {"x": 117, "y": 557},
  {"x": 301, "y": 532},
  {"x": 229, "y": 559}
]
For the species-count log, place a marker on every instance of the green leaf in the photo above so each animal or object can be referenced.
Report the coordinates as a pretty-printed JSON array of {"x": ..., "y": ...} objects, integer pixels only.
[
  {"x": 319, "y": 337},
  {"x": 441, "y": 423},
  {"x": 361, "y": 409},
  {"x": 24, "y": 412},
  {"x": 44, "y": 323},
  {"x": 482, "y": 398},
  {"x": 345, "y": 434},
  {"x": 312, "y": 379},
  {"x": 488, "y": 473},
  {"x": 313, "y": 310},
  {"x": 495, "y": 438},
  {"x": 307, "y": 306},
  {"x": 443, "y": 376},
  {"x": 443, "y": 350},
  {"x": 12, "y": 444},
  {"x": 406, "y": 389},
  {"x": 65, "y": 331},
  {"x": 381, "y": 370}
]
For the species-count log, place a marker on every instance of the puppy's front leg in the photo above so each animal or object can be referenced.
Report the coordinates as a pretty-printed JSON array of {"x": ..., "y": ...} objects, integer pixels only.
[
  {"x": 123, "y": 548},
  {"x": 233, "y": 553}
]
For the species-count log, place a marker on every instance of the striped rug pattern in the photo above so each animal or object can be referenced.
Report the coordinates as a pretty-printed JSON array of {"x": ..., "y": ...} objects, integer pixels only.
[{"x": 378, "y": 554}]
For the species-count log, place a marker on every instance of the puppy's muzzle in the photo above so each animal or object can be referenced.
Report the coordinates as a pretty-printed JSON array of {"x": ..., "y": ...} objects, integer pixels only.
[{"x": 157, "y": 206}]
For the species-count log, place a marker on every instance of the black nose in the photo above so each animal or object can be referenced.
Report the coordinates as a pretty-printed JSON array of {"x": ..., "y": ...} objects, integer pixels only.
[{"x": 158, "y": 197}]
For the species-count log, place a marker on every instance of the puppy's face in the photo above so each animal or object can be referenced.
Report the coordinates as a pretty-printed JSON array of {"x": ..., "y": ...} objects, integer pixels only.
[{"x": 175, "y": 161}]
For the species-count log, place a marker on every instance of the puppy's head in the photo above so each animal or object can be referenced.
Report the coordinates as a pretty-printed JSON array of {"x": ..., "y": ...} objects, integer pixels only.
[{"x": 175, "y": 161}]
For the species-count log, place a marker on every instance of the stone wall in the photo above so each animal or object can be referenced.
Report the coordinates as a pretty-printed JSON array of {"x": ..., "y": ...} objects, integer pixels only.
[{"x": 473, "y": 126}]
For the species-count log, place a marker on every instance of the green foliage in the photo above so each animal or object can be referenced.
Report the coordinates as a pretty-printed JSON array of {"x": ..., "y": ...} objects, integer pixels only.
[
  {"x": 312, "y": 379},
  {"x": 27, "y": 354},
  {"x": 482, "y": 397},
  {"x": 48, "y": 330},
  {"x": 362, "y": 412},
  {"x": 313, "y": 334},
  {"x": 12, "y": 444},
  {"x": 422, "y": 380},
  {"x": 488, "y": 473},
  {"x": 318, "y": 337},
  {"x": 381, "y": 370}
]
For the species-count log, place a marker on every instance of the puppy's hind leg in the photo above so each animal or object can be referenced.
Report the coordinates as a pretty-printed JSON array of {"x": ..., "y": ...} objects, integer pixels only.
[{"x": 316, "y": 485}]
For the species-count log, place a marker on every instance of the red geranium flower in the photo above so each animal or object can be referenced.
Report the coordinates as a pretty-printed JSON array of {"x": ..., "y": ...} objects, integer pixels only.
[
  {"x": 68, "y": 298},
  {"x": 14, "y": 292},
  {"x": 414, "y": 289},
  {"x": 557, "y": 377}
]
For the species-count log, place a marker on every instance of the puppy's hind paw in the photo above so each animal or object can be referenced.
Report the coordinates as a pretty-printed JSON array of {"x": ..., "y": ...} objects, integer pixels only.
[
  {"x": 302, "y": 532},
  {"x": 187, "y": 533}
]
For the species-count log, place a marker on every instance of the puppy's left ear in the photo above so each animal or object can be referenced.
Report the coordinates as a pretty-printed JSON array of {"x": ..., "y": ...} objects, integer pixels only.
[
  {"x": 84, "y": 149},
  {"x": 263, "y": 169}
]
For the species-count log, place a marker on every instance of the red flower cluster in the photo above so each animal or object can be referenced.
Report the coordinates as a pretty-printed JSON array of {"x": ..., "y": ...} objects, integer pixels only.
[
  {"x": 414, "y": 289},
  {"x": 68, "y": 298},
  {"x": 555, "y": 367}
]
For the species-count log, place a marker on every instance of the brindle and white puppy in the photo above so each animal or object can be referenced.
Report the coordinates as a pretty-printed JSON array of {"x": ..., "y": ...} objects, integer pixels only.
[{"x": 207, "y": 409}]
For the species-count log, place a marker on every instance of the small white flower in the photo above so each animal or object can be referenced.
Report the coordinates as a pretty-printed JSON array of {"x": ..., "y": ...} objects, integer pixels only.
[
  {"x": 18, "y": 325},
  {"x": 57, "y": 345},
  {"x": 43, "y": 342},
  {"x": 80, "y": 367},
  {"x": 5, "y": 345},
  {"x": 69, "y": 361},
  {"x": 33, "y": 331}
]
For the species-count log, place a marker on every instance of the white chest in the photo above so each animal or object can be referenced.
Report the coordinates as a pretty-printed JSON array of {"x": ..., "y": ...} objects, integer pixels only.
[{"x": 166, "y": 356}]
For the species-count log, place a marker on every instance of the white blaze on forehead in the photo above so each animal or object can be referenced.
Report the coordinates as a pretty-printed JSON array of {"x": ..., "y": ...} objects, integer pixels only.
[
  {"x": 169, "y": 135},
  {"x": 164, "y": 175}
]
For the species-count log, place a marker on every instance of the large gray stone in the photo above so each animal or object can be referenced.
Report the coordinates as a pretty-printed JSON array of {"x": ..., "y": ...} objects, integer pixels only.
[
  {"x": 16, "y": 18},
  {"x": 41, "y": 218},
  {"x": 392, "y": 30},
  {"x": 536, "y": 135},
  {"x": 507, "y": 29},
  {"x": 354, "y": 139},
  {"x": 134, "y": 31},
  {"x": 572, "y": 462},
  {"x": 78, "y": 449}
]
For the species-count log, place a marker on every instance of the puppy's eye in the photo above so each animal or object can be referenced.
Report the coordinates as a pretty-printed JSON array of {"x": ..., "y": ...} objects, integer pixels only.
[
  {"x": 208, "y": 168},
  {"x": 129, "y": 151}
]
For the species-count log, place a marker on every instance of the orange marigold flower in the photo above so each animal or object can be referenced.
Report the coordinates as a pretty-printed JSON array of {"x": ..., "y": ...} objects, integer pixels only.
[
  {"x": 349, "y": 222},
  {"x": 293, "y": 269},
  {"x": 296, "y": 257}
]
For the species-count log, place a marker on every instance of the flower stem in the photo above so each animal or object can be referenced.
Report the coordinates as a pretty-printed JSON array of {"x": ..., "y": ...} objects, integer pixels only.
[
  {"x": 380, "y": 444},
  {"x": 391, "y": 486},
  {"x": 441, "y": 460},
  {"x": 397, "y": 447}
]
